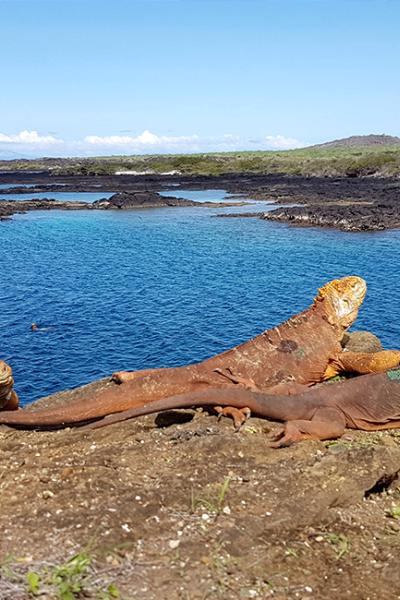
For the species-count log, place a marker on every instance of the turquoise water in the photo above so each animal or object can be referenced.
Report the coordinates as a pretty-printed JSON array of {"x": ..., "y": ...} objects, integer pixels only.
[
  {"x": 61, "y": 196},
  {"x": 163, "y": 287},
  {"x": 4, "y": 186},
  {"x": 215, "y": 195}
]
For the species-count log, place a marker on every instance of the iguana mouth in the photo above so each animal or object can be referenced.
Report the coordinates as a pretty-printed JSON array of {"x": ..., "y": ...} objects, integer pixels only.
[{"x": 344, "y": 297}]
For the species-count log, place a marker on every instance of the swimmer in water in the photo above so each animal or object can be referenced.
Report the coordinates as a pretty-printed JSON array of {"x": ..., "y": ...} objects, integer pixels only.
[{"x": 40, "y": 329}]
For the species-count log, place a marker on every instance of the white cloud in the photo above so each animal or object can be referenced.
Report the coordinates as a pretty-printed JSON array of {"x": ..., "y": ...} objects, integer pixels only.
[
  {"x": 148, "y": 142},
  {"x": 144, "y": 139},
  {"x": 33, "y": 144},
  {"x": 29, "y": 137},
  {"x": 280, "y": 142}
]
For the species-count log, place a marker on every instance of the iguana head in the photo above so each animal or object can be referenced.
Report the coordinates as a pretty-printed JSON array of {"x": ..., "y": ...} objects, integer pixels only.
[
  {"x": 6, "y": 382},
  {"x": 341, "y": 299}
]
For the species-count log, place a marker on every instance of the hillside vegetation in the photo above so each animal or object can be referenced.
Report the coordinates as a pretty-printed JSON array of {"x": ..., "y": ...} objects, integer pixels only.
[{"x": 353, "y": 157}]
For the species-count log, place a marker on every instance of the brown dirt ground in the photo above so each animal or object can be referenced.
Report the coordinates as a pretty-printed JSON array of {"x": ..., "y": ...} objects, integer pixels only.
[{"x": 182, "y": 507}]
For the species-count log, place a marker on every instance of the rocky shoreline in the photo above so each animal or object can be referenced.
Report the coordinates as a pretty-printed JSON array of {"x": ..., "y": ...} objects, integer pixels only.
[
  {"x": 353, "y": 218},
  {"x": 374, "y": 217},
  {"x": 12, "y": 207},
  {"x": 118, "y": 201},
  {"x": 346, "y": 203}
]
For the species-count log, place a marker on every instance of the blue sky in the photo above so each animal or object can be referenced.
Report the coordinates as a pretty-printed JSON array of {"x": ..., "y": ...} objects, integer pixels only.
[{"x": 93, "y": 77}]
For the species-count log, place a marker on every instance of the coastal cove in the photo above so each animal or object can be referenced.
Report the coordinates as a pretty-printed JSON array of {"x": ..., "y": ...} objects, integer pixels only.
[
  {"x": 199, "y": 300},
  {"x": 159, "y": 287}
]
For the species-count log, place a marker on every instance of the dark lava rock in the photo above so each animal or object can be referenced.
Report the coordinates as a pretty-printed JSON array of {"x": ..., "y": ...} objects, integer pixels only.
[
  {"x": 129, "y": 200},
  {"x": 347, "y": 203},
  {"x": 11, "y": 207},
  {"x": 241, "y": 215},
  {"x": 354, "y": 217}
]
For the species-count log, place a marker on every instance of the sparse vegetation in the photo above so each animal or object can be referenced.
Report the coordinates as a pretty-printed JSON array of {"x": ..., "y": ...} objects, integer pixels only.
[
  {"x": 340, "y": 542},
  {"x": 394, "y": 513},
  {"x": 213, "y": 500},
  {"x": 381, "y": 159},
  {"x": 65, "y": 581}
]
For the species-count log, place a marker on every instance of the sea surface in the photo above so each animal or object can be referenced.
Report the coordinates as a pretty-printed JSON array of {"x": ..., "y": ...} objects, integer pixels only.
[
  {"x": 4, "y": 186},
  {"x": 212, "y": 195},
  {"x": 60, "y": 196},
  {"x": 116, "y": 290}
]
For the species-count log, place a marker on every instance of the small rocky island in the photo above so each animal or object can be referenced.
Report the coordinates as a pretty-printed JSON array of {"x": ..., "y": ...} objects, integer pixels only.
[
  {"x": 123, "y": 200},
  {"x": 149, "y": 199}
]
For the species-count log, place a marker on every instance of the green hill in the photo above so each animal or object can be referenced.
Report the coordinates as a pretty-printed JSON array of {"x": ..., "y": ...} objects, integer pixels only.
[{"x": 361, "y": 141}]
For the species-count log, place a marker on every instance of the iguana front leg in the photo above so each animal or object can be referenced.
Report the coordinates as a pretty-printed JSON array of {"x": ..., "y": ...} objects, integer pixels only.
[{"x": 363, "y": 363}]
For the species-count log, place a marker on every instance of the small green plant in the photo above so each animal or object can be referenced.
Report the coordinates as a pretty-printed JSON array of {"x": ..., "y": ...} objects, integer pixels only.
[
  {"x": 111, "y": 592},
  {"x": 340, "y": 542},
  {"x": 213, "y": 502},
  {"x": 67, "y": 581},
  {"x": 70, "y": 578},
  {"x": 33, "y": 582},
  {"x": 394, "y": 513}
]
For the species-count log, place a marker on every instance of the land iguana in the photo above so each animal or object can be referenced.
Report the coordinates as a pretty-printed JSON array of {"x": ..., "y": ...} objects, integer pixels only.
[
  {"x": 369, "y": 402},
  {"x": 286, "y": 359},
  {"x": 8, "y": 396}
]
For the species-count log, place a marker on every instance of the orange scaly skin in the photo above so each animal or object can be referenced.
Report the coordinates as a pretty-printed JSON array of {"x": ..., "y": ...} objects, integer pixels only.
[
  {"x": 295, "y": 353},
  {"x": 363, "y": 362}
]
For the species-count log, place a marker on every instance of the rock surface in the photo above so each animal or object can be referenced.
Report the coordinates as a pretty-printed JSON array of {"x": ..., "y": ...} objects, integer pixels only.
[
  {"x": 149, "y": 199},
  {"x": 347, "y": 203},
  {"x": 363, "y": 217},
  {"x": 189, "y": 509},
  {"x": 361, "y": 341},
  {"x": 12, "y": 207},
  {"x": 145, "y": 199}
]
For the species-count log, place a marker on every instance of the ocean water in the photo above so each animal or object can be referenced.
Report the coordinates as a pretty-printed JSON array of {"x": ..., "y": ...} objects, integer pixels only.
[
  {"x": 212, "y": 195},
  {"x": 163, "y": 287},
  {"x": 61, "y": 196},
  {"x": 4, "y": 186}
]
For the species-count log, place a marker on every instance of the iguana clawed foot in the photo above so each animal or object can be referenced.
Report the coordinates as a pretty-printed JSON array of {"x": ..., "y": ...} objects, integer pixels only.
[
  {"x": 239, "y": 415},
  {"x": 286, "y": 436}
]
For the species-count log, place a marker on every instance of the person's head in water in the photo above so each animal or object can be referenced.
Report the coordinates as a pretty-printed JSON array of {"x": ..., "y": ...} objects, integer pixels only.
[{"x": 34, "y": 327}]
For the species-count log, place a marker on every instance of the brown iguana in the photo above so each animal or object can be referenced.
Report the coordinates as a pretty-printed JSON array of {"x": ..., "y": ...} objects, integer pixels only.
[{"x": 369, "y": 402}]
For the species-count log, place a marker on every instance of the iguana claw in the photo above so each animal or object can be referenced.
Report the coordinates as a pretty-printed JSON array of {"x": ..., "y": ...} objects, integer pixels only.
[{"x": 239, "y": 415}]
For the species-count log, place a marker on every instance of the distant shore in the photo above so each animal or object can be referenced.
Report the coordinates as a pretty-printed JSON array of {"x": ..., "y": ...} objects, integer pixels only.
[{"x": 346, "y": 203}]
